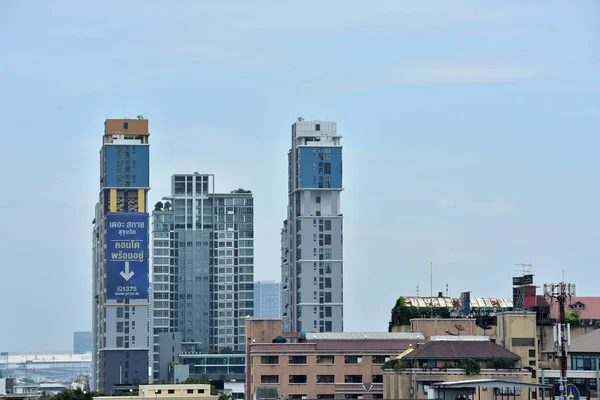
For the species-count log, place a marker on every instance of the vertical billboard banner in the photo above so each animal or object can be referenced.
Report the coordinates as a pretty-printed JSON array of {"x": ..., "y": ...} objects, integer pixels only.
[{"x": 127, "y": 256}]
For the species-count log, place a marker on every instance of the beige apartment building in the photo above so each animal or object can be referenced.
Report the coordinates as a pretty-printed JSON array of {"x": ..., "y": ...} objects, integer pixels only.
[
  {"x": 319, "y": 365},
  {"x": 168, "y": 392}
]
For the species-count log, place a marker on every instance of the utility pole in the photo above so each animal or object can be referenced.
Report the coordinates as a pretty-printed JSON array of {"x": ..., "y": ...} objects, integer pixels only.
[{"x": 560, "y": 292}]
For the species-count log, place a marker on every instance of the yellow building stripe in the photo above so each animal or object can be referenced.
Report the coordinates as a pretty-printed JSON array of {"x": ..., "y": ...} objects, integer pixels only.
[
  {"x": 113, "y": 200},
  {"x": 141, "y": 200}
]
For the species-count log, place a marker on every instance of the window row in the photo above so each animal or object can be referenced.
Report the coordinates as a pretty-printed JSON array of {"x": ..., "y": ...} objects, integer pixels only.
[
  {"x": 320, "y": 379},
  {"x": 322, "y": 359}
]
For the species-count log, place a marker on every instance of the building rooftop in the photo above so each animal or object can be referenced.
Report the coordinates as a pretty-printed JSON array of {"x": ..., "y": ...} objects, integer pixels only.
[
  {"x": 460, "y": 349},
  {"x": 365, "y": 336},
  {"x": 588, "y": 307},
  {"x": 450, "y": 338},
  {"x": 449, "y": 302}
]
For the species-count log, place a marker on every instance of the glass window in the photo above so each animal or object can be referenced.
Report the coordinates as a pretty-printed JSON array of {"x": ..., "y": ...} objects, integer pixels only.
[{"x": 583, "y": 362}]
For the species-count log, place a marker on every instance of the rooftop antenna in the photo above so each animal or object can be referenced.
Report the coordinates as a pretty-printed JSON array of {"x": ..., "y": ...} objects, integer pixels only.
[
  {"x": 431, "y": 285},
  {"x": 447, "y": 291},
  {"x": 561, "y": 293}
]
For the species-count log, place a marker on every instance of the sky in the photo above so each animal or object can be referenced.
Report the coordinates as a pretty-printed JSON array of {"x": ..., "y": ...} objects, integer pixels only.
[{"x": 470, "y": 133}]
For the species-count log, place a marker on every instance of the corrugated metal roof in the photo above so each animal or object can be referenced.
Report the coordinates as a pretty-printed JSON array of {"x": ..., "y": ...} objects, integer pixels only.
[
  {"x": 365, "y": 335},
  {"x": 449, "y": 302},
  {"x": 450, "y": 338}
]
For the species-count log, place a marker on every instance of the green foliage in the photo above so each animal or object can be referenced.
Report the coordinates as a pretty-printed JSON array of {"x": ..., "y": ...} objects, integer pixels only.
[
  {"x": 573, "y": 318},
  {"x": 240, "y": 190},
  {"x": 501, "y": 363},
  {"x": 402, "y": 314},
  {"x": 76, "y": 394},
  {"x": 597, "y": 324},
  {"x": 167, "y": 206},
  {"x": 191, "y": 381},
  {"x": 226, "y": 350},
  {"x": 470, "y": 366},
  {"x": 158, "y": 206},
  {"x": 225, "y": 396},
  {"x": 395, "y": 364}
]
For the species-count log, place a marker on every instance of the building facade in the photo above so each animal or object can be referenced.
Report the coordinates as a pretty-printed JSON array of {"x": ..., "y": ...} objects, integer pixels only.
[
  {"x": 312, "y": 240},
  {"x": 120, "y": 257},
  {"x": 203, "y": 265},
  {"x": 452, "y": 359},
  {"x": 82, "y": 342},
  {"x": 267, "y": 300},
  {"x": 319, "y": 365}
]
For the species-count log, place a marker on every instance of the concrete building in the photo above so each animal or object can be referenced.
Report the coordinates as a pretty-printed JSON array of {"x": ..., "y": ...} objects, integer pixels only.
[
  {"x": 82, "y": 342},
  {"x": 203, "y": 266},
  {"x": 267, "y": 300},
  {"x": 170, "y": 392},
  {"x": 318, "y": 365},
  {"x": 120, "y": 257},
  {"x": 451, "y": 359},
  {"x": 311, "y": 238}
]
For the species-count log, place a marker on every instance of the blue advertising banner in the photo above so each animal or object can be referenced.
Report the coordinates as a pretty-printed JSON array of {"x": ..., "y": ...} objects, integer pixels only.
[{"x": 127, "y": 256}]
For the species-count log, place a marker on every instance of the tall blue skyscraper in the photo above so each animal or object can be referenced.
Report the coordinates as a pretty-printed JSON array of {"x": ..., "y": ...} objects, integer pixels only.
[
  {"x": 311, "y": 238},
  {"x": 120, "y": 352},
  {"x": 267, "y": 300}
]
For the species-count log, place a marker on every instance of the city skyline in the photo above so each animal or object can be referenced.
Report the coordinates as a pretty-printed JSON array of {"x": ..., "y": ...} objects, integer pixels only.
[{"x": 469, "y": 138}]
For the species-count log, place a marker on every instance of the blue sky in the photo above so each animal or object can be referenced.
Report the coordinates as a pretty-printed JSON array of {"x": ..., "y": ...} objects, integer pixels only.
[{"x": 470, "y": 134}]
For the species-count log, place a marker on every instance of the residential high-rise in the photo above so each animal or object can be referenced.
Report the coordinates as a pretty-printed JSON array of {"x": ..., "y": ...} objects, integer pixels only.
[
  {"x": 203, "y": 266},
  {"x": 311, "y": 239},
  {"x": 267, "y": 300},
  {"x": 120, "y": 257},
  {"x": 82, "y": 342}
]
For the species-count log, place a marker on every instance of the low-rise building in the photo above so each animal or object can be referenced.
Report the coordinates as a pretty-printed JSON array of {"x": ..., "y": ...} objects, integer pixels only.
[
  {"x": 450, "y": 359},
  {"x": 321, "y": 365},
  {"x": 583, "y": 362},
  {"x": 167, "y": 392}
]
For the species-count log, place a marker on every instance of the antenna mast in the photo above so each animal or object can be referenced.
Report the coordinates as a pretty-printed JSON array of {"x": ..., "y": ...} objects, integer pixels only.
[
  {"x": 431, "y": 285},
  {"x": 560, "y": 292}
]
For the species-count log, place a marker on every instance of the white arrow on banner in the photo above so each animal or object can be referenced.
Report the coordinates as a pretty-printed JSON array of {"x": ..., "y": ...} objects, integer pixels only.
[{"x": 127, "y": 274}]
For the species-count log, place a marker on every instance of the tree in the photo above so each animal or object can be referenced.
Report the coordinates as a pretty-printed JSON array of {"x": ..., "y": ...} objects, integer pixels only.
[
  {"x": 168, "y": 206},
  {"x": 470, "y": 366},
  {"x": 500, "y": 363},
  {"x": 76, "y": 394},
  {"x": 191, "y": 381},
  {"x": 226, "y": 350},
  {"x": 240, "y": 190},
  {"x": 395, "y": 364},
  {"x": 158, "y": 206},
  {"x": 225, "y": 396},
  {"x": 573, "y": 317}
]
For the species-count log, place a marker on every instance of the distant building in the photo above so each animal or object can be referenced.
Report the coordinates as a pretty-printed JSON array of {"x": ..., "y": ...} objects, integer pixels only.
[
  {"x": 82, "y": 342},
  {"x": 311, "y": 238},
  {"x": 120, "y": 252},
  {"x": 267, "y": 300},
  {"x": 203, "y": 268},
  {"x": 53, "y": 366}
]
